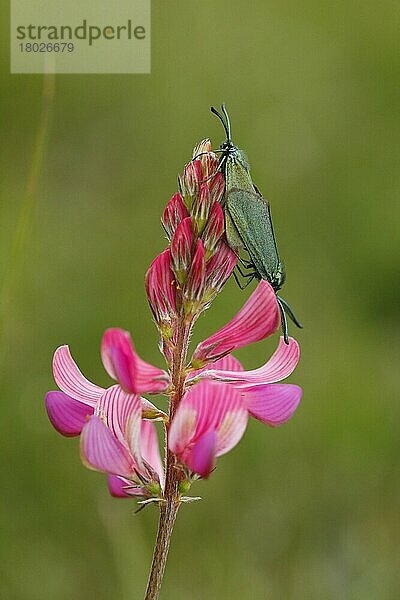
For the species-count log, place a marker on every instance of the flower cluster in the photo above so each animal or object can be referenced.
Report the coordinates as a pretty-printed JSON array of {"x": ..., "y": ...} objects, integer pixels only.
[{"x": 210, "y": 395}]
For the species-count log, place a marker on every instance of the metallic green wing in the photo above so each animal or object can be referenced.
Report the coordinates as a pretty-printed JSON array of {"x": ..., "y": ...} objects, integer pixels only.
[{"x": 248, "y": 219}]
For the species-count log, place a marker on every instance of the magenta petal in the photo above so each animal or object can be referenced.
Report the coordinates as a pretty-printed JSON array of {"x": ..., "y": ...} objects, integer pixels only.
[
  {"x": 120, "y": 487},
  {"x": 100, "y": 449},
  {"x": 201, "y": 459},
  {"x": 257, "y": 319},
  {"x": 280, "y": 365},
  {"x": 206, "y": 407},
  {"x": 71, "y": 381},
  {"x": 150, "y": 449},
  {"x": 274, "y": 403},
  {"x": 125, "y": 366},
  {"x": 67, "y": 415}
]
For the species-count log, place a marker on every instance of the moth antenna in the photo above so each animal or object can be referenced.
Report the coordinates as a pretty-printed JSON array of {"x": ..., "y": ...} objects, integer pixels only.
[
  {"x": 224, "y": 124},
  {"x": 228, "y": 121}
]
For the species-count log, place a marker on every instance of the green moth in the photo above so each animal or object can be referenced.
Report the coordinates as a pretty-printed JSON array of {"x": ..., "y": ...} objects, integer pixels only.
[{"x": 248, "y": 222}]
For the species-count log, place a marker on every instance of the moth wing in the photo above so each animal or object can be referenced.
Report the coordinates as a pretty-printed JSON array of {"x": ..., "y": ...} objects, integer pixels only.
[{"x": 250, "y": 215}]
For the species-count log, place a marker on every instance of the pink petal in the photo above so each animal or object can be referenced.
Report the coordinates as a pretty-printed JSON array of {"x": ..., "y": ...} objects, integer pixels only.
[
  {"x": 257, "y": 319},
  {"x": 116, "y": 407},
  {"x": 207, "y": 407},
  {"x": 125, "y": 366},
  {"x": 279, "y": 366},
  {"x": 150, "y": 449},
  {"x": 120, "y": 487},
  {"x": 100, "y": 449},
  {"x": 67, "y": 415},
  {"x": 201, "y": 459},
  {"x": 71, "y": 381},
  {"x": 274, "y": 403}
]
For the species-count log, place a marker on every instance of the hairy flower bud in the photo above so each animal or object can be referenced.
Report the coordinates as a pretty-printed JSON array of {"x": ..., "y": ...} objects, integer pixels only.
[
  {"x": 218, "y": 269},
  {"x": 181, "y": 249},
  {"x": 201, "y": 207},
  {"x": 189, "y": 182},
  {"x": 217, "y": 187},
  {"x": 194, "y": 286},
  {"x": 161, "y": 291},
  {"x": 214, "y": 229},
  {"x": 174, "y": 213}
]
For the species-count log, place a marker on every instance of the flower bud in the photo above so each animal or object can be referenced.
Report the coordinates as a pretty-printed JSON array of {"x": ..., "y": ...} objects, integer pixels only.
[
  {"x": 194, "y": 286},
  {"x": 213, "y": 229},
  {"x": 181, "y": 249},
  {"x": 217, "y": 187},
  {"x": 201, "y": 207},
  {"x": 189, "y": 182},
  {"x": 174, "y": 213},
  {"x": 161, "y": 292},
  {"x": 218, "y": 269}
]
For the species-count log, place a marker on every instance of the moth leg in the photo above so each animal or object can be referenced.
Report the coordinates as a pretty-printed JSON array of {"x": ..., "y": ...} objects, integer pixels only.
[
  {"x": 283, "y": 320},
  {"x": 291, "y": 313},
  {"x": 247, "y": 264},
  {"x": 240, "y": 285},
  {"x": 252, "y": 274}
]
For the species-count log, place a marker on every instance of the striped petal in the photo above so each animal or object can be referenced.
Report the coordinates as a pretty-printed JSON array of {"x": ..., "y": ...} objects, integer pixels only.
[
  {"x": 125, "y": 366},
  {"x": 150, "y": 449},
  {"x": 207, "y": 407},
  {"x": 273, "y": 404},
  {"x": 67, "y": 415},
  {"x": 257, "y": 319},
  {"x": 102, "y": 451},
  {"x": 116, "y": 408},
  {"x": 71, "y": 381},
  {"x": 281, "y": 365}
]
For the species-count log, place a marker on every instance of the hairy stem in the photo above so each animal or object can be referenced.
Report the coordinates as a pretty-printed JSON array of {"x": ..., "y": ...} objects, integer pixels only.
[{"x": 170, "y": 504}]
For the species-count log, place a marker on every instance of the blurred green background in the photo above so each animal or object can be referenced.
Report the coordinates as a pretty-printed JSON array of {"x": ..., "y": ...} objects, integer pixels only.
[{"x": 310, "y": 510}]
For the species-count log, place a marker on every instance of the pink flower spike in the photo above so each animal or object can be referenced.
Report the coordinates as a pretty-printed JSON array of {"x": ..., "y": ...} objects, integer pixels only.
[
  {"x": 161, "y": 288},
  {"x": 207, "y": 407},
  {"x": 71, "y": 381},
  {"x": 194, "y": 285},
  {"x": 274, "y": 403},
  {"x": 182, "y": 249},
  {"x": 67, "y": 415},
  {"x": 174, "y": 213},
  {"x": 256, "y": 320},
  {"x": 125, "y": 366},
  {"x": 101, "y": 451},
  {"x": 213, "y": 230},
  {"x": 280, "y": 365}
]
